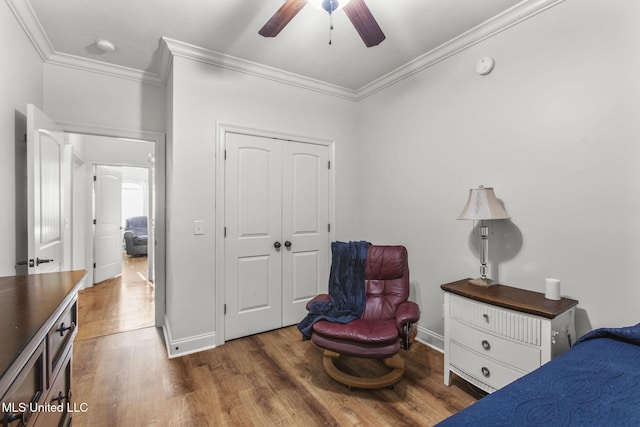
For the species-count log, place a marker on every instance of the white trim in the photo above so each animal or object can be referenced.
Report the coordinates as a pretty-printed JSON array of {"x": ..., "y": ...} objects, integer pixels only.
[
  {"x": 229, "y": 62},
  {"x": 159, "y": 141},
  {"x": 30, "y": 23},
  {"x": 100, "y": 67},
  {"x": 185, "y": 346},
  {"x": 501, "y": 22},
  {"x": 430, "y": 339},
  {"x": 222, "y": 129}
]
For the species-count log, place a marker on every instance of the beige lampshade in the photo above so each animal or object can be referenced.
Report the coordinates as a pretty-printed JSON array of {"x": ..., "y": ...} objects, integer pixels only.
[{"x": 483, "y": 204}]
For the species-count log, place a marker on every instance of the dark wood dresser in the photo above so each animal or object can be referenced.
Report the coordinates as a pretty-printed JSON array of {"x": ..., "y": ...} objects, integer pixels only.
[{"x": 38, "y": 322}]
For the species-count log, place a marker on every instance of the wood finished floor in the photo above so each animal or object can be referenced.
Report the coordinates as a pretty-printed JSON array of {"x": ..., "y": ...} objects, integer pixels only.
[
  {"x": 117, "y": 305},
  {"x": 269, "y": 379}
]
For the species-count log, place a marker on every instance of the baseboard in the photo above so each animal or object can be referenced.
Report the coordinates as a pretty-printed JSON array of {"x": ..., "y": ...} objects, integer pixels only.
[
  {"x": 189, "y": 345},
  {"x": 431, "y": 339}
]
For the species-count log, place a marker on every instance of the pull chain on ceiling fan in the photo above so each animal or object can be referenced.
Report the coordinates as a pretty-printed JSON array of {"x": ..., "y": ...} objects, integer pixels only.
[
  {"x": 356, "y": 10},
  {"x": 331, "y": 6}
]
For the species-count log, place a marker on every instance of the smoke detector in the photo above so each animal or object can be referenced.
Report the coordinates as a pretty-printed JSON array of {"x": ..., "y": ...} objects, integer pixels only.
[{"x": 105, "y": 45}]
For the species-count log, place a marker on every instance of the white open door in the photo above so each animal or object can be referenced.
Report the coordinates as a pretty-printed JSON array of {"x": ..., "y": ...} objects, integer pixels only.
[
  {"x": 108, "y": 223},
  {"x": 45, "y": 141}
]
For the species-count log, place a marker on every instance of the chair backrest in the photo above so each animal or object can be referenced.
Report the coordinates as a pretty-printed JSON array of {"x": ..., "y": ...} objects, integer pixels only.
[
  {"x": 386, "y": 281},
  {"x": 138, "y": 223}
]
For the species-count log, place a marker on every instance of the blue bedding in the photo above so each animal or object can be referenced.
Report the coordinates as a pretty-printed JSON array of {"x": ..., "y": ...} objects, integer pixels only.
[{"x": 596, "y": 383}]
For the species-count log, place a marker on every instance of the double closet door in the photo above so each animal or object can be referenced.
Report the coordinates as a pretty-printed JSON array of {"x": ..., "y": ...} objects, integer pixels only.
[{"x": 277, "y": 231}]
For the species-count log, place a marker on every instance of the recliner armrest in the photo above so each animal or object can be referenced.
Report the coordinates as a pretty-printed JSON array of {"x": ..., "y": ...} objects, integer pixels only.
[
  {"x": 407, "y": 312},
  {"x": 320, "y": 297}
]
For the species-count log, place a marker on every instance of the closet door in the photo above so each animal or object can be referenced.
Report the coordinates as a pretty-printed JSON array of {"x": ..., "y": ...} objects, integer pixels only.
[
  {"x": 277, "y": 242},
  {"x": 253, "y": 211},
  {"x": 305, "y": 222}
]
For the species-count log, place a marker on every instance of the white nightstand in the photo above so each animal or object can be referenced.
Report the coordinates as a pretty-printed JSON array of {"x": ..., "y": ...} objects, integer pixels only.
[{"x": 494, "y": 335}]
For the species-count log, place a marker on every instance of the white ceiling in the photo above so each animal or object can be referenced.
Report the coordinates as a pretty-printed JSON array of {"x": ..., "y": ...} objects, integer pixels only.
[{"x": 230, "y": 27}]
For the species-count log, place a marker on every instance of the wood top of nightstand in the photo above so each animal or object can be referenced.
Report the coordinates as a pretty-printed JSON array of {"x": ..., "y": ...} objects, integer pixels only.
[{"x": 512, "y": 298}]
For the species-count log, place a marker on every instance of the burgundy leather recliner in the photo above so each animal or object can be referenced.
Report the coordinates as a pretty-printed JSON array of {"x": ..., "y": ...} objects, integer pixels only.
[{"x": 386, "y": 325}]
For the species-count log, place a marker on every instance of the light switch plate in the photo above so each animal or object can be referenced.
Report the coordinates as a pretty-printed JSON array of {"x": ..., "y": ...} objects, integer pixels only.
[{"x": 198, "y": 227}]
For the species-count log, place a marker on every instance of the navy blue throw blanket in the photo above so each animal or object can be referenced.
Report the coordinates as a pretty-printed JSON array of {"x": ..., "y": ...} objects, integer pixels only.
[{"x": 346, "y": 287}]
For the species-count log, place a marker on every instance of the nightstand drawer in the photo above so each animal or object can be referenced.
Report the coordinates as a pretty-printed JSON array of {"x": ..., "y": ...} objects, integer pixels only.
[
  {"x": 520, "y": 356},
  {"x": 497, "y": 334},
  {"x": 485, "y": 370},
  {"x": 499, "y": 321}
]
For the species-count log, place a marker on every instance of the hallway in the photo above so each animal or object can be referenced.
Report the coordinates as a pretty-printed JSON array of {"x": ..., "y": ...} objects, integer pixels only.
[{"x": 116, "y": 305}]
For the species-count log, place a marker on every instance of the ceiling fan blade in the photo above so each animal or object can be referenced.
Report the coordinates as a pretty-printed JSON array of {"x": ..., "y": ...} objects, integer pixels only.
[
  {"x": 281, "y": 18},
  {"x": 364, "y": 22}
]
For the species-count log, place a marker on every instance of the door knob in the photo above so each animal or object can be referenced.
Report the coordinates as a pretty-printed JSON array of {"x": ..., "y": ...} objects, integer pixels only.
[
  {"x": 287, "y": 244},
  {"x": 277, "y": 245},
  {"x": 42, "y": 261}
]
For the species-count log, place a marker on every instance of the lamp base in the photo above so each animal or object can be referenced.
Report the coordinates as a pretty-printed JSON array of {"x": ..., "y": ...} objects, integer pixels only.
[{"x": 486, "y": 282}]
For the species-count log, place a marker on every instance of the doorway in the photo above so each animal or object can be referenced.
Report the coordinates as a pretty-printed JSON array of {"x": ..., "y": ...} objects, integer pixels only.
[
  {"x": 141, "y": 162},
  {"x": 122, "y": 298}
]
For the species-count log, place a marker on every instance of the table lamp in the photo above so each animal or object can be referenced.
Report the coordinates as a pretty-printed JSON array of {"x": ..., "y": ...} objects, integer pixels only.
[{"x": 483, "y": 206}]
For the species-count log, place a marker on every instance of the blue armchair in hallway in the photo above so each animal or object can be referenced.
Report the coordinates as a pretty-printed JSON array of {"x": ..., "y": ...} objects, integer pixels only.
[{"x": 135, "y": 236}]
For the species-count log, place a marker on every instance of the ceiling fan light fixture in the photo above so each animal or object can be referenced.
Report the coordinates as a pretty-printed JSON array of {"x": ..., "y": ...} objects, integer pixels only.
[{"x": 329, "y": 6}]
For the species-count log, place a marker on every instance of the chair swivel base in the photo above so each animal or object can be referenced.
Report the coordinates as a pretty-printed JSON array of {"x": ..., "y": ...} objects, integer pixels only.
[{"x": 396, "y": 363}]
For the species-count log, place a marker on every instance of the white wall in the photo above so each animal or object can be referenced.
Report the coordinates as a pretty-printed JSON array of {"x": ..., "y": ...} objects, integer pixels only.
[
  {"x": 202, "y": 96},
  {"x": 90, "y": 102},
  {"x": 554, "y": 129},
  {"x": 87, "y": 98},
  {"x": 20, "y": 84}
]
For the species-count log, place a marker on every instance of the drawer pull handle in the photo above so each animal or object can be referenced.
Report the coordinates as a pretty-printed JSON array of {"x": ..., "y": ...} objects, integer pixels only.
[
  {"x": 485, "y": 372},
  {"x": 62, "y": 329},
  {"x": 486, "y": 345},
  {"x": 486, "y": 317},
  {"x": 9, "y": 418},
  {"x": 60, "y": 397},
  {"x": 22, "y": 416}
]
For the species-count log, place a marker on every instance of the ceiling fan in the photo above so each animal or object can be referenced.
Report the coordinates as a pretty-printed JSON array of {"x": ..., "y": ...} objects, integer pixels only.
[{"x": 356, "y": 10}]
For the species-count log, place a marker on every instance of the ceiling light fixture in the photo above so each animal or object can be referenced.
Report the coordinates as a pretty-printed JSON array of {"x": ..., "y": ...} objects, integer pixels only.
[
  {"x": 105, "y": 45},
  {"x": 329, "y": 6}
]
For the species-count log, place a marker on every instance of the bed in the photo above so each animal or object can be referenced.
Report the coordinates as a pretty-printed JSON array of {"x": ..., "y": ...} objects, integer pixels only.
[{"x": 595, "y": 383}]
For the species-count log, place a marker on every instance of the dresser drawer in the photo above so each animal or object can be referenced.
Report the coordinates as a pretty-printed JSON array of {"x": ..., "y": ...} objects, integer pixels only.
[
  {"x": 521, "y": 356},
  {"x": 485, "y": 370},
  {"x": 499, "y": 321},
  {"x": 58, "y": 401},
  {"x": 60, "y": 337},
  {"x": 26, "y": 392}
]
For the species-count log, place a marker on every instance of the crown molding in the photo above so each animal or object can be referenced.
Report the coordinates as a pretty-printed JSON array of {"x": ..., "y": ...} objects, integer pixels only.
[
  {"x": 29, "y": 21},
  {"x": 100, "y": 67},
  {"x": 189, "y": 51},
  {"x": 499, "y": 23}
]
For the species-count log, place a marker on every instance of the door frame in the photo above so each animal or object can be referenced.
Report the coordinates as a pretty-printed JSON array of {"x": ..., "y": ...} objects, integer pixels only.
[
  {"x": 159, "y": 140},
  {"x": 222, "y": 129}
]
